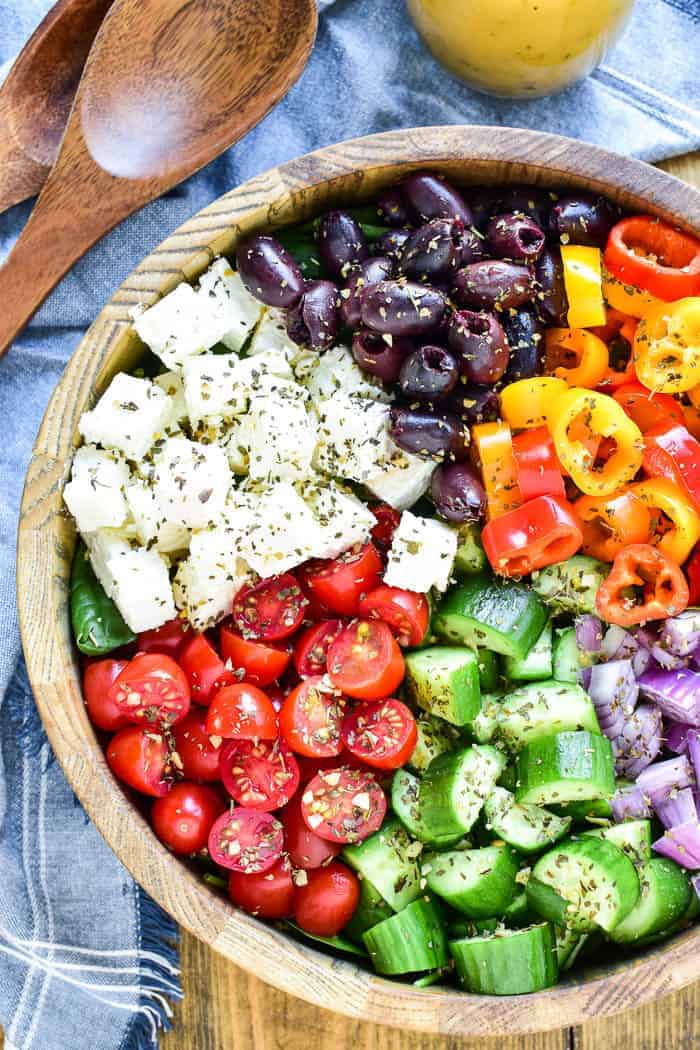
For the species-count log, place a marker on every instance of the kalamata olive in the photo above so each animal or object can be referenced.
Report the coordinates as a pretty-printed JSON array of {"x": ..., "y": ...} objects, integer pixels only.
[
  {"x": 269, "y": 272},
  {"x": 582, "y": 218},
  {"x": 457, "y": 492},
  {"x": 434, "y": 251},
  {"x": 430, "y": 197},
  {"x": 391, "y": 243},
  {"x": 377, "y": 356},
  {"x": 426, "y": 433},
  {"x": 402, "y": 308},
  {"x": 314, "y": 321},
  {"x": 550, "y": 298},
  {"x": 481, "y": 345},
  {"x": 392, "y": 207},
  {"x": 341, "y": 242},
  {"x": 473, "y": 249},
  {"x": 492, "y": 284},
  {"x": 528, "y": 200},
  {"x": 428, "y": 373},
  {"x": 524, "y": 333},
  {"x": 377, "y": 268},
  {"x": 474, "y": 404},
  {"x": 514, "y": 236}
]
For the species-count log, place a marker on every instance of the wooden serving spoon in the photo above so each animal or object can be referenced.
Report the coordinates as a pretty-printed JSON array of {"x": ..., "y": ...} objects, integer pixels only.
[
  {"x": 168, "y": 86},
  {"x": 36, "y": 95}
]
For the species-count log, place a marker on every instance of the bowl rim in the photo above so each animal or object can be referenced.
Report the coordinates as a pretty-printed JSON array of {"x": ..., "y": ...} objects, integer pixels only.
[{"x": 295, "y": 189}]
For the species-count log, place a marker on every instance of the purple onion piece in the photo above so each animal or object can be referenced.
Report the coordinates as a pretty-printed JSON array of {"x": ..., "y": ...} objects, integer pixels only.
[
  {"x": 589, "y": 633},
  {"x": 641, "y": 661},
  {"x": 613, "y": 689},
  {"x": 678, "y": 808},
  {"x": 660, "y": 781},
  {"x": 628, "y": 803},
  {"x": 666, "y": 659},
  {"x": 693, "y": 740},
  {"x": 646, "y": 636},
  {"x": 618, "y": 644},
  {"x": 676, "y": 693},
  {"x": 584, "y": 677},
  {"x": 682, "y": 844},
  {"x": 680, "y": 635},
  {"x": 695, "y": 881},
  {"x": 677, "y": 737},
  {"x": 640, "y": 741}
]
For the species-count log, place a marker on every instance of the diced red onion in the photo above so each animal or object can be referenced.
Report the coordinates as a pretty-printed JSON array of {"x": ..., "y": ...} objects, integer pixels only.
[
  {"x": 681, "y": 844},
  {"x": 642, "y": 661},
  {"x": 681, "y": 634},
  {"x": 677, "y": 737},
  {"x": 583, "y": 677},
  {"x": 640, "y": 741},
  {"x": 646, "y": 636},
  {"x": 678, "y": 808},
  {"x": 628, "y": 803},
  {"x": 618, "y": 644},
  {"x": 693, "y": 740},
  {"x": 613, "y": 689},
  {"x": 659, "y": 781},
  {"x": 695, "y": 880},
  {"x": 589, "y": 633},
  {"x": 666, "y": 659},
  {"x": 675, "y": 692}
]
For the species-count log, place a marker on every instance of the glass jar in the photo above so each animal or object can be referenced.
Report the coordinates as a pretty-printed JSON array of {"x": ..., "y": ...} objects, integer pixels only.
[{"x": 520, "y": 48}]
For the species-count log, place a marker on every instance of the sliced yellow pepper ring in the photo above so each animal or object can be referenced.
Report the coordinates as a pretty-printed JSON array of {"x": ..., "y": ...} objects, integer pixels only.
[
  {"x": 666, "y": 350},
  {"x": 499, "y": 469},
  {"x": 664, "y": 495},
  {"x": 589, "y": 353},
  {"x": 599, "y": 416},
  {"x": 525, "y": 403},
  {"x": 626, "y": 297},
  {"x": 584, "y": 285}
]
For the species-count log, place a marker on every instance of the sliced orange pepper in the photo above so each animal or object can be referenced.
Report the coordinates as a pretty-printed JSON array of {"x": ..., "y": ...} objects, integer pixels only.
[
  {"x": 494, "y": 446},
  {"x": 664, "y": 495},
  {"x": 691, "y": 418},
  {"x": 576, "y": 356},
  {"x": 611, "y": 523},
  {"x": 625, "y": 297},
  {"x": 583, "y": 283},
  {"x": 666, "y": 348},
  {"x": 525, "y": 403}
]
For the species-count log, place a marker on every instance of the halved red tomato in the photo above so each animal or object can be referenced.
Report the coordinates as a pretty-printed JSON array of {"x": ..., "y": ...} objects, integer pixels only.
[
  {"x": 271, "y": 610},
  {"x": 339, "y": 584},
  {"x": 262, "y": 664},
  {"x": 246, "y": 840},
  {"x": 343, "y": 805},
  {"x": 101, "y": 707},
  {"x": 183, "y": 818},
  {"x": 151, "y": 688},
  {"x": 259, "y": 774},
  {"x": 242, "y": 712},
  {"x": 205, "y": 669},
  {"x": 365, "y": 662},
  {"x": 139, "y": 757},
  {"x": 312, "y": 647},
  {"x": 306, "y": 849},
  {"x": 269, "y": 894},
  {"x": 310, "y": 719},
  {"x": 382, "y": 734},
  {"x": 387, "y": 523},
  {"x": 197, "y": 756},
  {"x": 406, "y": 612},
  {"x": 168, "y": 639}
]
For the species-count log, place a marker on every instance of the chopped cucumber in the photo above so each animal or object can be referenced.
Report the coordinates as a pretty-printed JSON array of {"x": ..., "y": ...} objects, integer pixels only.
[
  {"x": 409, "y": 942},
  {"x": 486, "y": 613},
  {"x": 567, "y": 658},
  {"x": 485, "y": 724},
  {"x": 435, "y": 737},
  {"x": 540, "y": 709},
  {"x": 633, "y": 838},
  {"x": 477, "y": 882},
  {"x": 664, "y": 896},
  {"x": 470, "y": 557},
  {"x": 519, "y": 913},
  {"x": 444, "y": 680},
  {"x": 584, "y": 884},
  {"x": 389, "y": 859},
  {"x": 507, "y": 962},
  {"x": 405, "y": 801},
  {"x": 566, "y": 767},
  {"x": 538, "y": 662},
  {"x": 489, "y": 670},
  {"x": 453, "y": 791},
  {"x": 571, "y": 586},
  {"x": 527, "y": 828},
  {"x": 569, "y": 946},
  {"x": 371, "y": 909},
  {"x": 589, "y": 811}
]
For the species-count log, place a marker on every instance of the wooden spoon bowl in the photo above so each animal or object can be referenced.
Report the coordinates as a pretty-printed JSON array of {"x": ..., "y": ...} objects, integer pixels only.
[{"x": 352, "y": 171}]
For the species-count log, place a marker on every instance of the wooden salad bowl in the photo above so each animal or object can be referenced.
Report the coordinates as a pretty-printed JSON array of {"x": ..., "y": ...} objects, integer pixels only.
[{"x": 350, "y": 171}]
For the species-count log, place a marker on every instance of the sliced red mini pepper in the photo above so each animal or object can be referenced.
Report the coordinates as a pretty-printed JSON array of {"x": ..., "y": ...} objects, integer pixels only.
[
  {"x": 692, "y": 571},
  {"x": 541, "y": 532},
  {"x": 539, "y": 470},
  {"x": 670, "y": 451},
  {"x": 646, "y": 409},
  {"x": 652, "y": 255},
  {"x": 643, "y": 585}
]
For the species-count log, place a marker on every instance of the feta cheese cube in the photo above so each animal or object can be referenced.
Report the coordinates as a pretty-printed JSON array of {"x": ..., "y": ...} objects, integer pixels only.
[
  {"x": 284, "y": 532},
  {"x": 222, "y": 288},
  {"x": 191, "y": 484},
  {"x": 106, "y": 547},
  {"x": 280, "y": 433},
  {"x": 402, "y": 480},
  {"x": 336, "y": 370},
  {"x": 171, "y": 385},
  {"x": 422, "y": 554},
  {"x": 181, "y": 325},
  {"x": 129, "y": 416},
  {"x": 142, "y": 590},
  {"x": 353, "y": 435},
  {"x": 219, "y": 386},
  {"x": 209, "y": 579},
  {"x": 150, "y": 527},
  {"x": 94, "y": 495},
  {"x": 343, "y": 519},
  {"x": 271, "y": 334}
]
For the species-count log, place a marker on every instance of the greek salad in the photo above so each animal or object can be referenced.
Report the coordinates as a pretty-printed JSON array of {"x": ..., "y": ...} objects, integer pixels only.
[{"x": 387, "y": 589}]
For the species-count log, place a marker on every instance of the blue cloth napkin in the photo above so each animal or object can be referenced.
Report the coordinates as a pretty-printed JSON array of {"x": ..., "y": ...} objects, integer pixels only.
[{"x": 86, "y": 958}]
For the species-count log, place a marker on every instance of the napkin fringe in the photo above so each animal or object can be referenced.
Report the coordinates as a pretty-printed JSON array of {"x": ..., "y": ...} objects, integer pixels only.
[{"x": 159, "y": 955}]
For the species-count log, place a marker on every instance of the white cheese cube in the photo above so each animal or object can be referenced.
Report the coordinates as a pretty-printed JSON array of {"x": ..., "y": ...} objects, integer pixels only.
[
  {"x": 129, "y": 416},
  {"x": 235, "y": 441},
  {"x": 171, "y": 385},
  {"x": 181, "y": 325},
  {"x": 284, "y": 534},
  {"x": 271, "y": 334},
  {"x": 281, "y": 435},
  {"x": 336, "y": 370},
  {"x": 219, "y": 386},
  {"x": 142, "y": 590},
  {"x": 239, "y": 311},
  {"x": 402, "y": 480},
  {"x": 343, "y": 519},
  {"x": 106, "y": 547},
  {"x": 422, "y": 554},
  {"x": 191, "y": 484},
  {"x": 150, "y": 527},
  {"x": 94, "y": 495},
  {"x": 209, "y": 579},
  {"x": 353, "y": 435}
]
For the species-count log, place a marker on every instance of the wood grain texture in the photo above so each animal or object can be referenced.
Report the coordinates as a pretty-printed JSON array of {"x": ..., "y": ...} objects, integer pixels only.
[
  {"x": 356, "y": 170},
  {"x": 192, "y": 78}
]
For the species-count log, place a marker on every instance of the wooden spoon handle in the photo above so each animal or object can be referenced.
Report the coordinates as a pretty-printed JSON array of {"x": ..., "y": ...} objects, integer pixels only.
[{"x": 20, "y": 176}]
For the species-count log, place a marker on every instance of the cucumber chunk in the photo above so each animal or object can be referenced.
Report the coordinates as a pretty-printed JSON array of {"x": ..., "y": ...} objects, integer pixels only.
[
  {"x": 486, "y": 613},
  {"x": 589, "y": 811},
  {"x": 389, "y": 859},
  {"x": 444, "y": 680},
  {"x": 485, "y": 724},
  {"x": 489, "y": 670},
  {"x": 541, "y": 709},
  {"x": 507, "y": 962},
  {"x": 565, "y": 767},
  {"x": 570, "y": 944},
  {"x": 538, "y": 662},
  {"x": 371, "y": 909},
  {"x": 567, "y": 658},
  {"x": 477, "y": 882},
  {"x": 435, "y": 737},
  {"x": 470, "y": 557},
  {"x": 409, "y": 942},
  {"x": 527, "y": 828},
  {"x": 571, "y": 586},
  {"x": 454, "y": 789},
  {"x": 633, "y": 838},
  {"x": 519, "y": 913},
  {"x": 405, "y": 801},
  {"x": 584, "y": 884},
  {"x": 664, "y": 896}
]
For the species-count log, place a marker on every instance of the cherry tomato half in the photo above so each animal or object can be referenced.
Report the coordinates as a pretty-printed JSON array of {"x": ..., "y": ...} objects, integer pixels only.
[
  {"x": 198, "y": 756},
  {"x": 327, "y": 901},
  {"x": 168, "y": 639},
  {"x": 312, "y": 647},
  {"x": 262, "y": 664},
  {"x": 271, "y": 610},
  {"x": 185, "y": 816},
  {"x": 139, "y": 757},
  {"x": 151, "y": 688},
  {"x": 406, "y": 612},
  {"x": 101, "y": 706},
  {"x": 382, "y": 734},
  {"x": 387, "y": 523},
  {"x": 310, "y": 719},
  {"x": 242, "y": 712},
  {"x": 269, "y": 895},
  {"x": 259, "y": 774},
  {"x": 205, "y": 669},
  {"x": 365, "y": 662},
  {"x": 246, "y": 840},
  {"x": 343, "y": 805},
  {"x": 306, "y": 849},
  {"x": 339, "y": 584}
]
